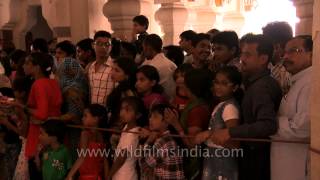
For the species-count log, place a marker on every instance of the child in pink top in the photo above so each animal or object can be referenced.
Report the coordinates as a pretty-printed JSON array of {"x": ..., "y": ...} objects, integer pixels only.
[{"x": 148, "y": 86}]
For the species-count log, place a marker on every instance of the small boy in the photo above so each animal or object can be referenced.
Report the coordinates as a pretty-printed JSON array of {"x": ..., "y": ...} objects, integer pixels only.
[
  {"x": 160, "y": 159},
  {"x": 140, "y": 26},
  {"x": 56, "y": 160}
]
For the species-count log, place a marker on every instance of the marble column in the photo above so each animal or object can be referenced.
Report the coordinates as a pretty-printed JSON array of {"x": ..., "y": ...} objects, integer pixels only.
[
  {"x": 304, "y": 10},
  {"x": 233, "y": 17},
  {"x": 172, "y": 17},
  {"x": 121, "y": 12},
  {"x": 58, "y": 15},
  {"x": 315, "y": 100},
  {"x": 96, "y": 19},
  {"x": 205, "y": 19}
]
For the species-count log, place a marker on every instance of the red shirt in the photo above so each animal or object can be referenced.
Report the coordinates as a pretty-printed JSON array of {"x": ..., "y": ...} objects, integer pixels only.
[
  {"x": 199, "y": 117},
  {"x": 153, "y": 99},
  {"x": 180, "y": 102},
  {"x": 46, "y": 99}
]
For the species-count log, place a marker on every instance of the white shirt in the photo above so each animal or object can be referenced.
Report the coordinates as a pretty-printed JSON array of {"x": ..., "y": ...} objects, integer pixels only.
[
  {"x": 289, "y": 161},
  {"x": 128, "y": 141},
  {"x": 166, "y": 69}
]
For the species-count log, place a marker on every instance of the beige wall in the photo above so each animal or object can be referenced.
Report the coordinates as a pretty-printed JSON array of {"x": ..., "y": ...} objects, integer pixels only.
[
  {"x": 78, "y": 19},
  {"x": 315, "y": 102}
]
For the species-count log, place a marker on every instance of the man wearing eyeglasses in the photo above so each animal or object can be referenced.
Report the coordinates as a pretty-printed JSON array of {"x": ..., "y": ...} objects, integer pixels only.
[
  {"x": 290, "y": 161},
  {"x": 99, "y": 73},
  {"x": 259, "y": 109}
]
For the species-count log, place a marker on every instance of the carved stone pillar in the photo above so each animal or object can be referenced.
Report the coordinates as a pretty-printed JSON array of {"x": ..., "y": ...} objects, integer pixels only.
[
  {"x": 96, "y": 19},
  {"x": 206, "y": 18},
  {"x": 172, "y": 17},
  {"x": 201, "y": 15},
  {"x": 57, "y": 14},
  {"x": 121, "y": 12},
  {"x": 304, "y": 9},
  {"x": 233, "y": 18}
]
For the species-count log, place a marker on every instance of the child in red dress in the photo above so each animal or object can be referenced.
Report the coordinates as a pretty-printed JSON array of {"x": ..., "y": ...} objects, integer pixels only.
[{"x": 92, "y": 164}]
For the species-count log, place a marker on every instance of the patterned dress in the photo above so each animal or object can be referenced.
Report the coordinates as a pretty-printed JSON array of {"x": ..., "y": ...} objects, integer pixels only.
[{"x": 22, "y": 170}]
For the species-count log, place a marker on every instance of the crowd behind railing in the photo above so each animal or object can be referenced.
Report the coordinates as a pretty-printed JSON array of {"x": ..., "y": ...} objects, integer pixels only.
[{"x": 138, "y": 96}]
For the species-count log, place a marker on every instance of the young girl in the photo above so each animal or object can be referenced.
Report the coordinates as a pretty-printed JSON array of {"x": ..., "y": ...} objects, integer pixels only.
[
  {"x": 148, "y": 86},
  {"x": 56, "y": 159},
  {"x": 181, "y": 98},
  {"x": 44, "y": 99},
  {"x": 124, "y": 73},
  {"x": 195, "y": 116},
  {"x": 225, "y": 115},
  {"x": 124, "y": 164},
  {"x": 92, "y": 167}
]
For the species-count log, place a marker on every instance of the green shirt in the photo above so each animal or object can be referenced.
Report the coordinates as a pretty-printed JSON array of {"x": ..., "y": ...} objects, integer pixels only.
[{"x": 56, "y": 163}]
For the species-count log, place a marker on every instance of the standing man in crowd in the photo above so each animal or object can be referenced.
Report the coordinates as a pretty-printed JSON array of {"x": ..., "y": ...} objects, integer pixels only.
[
  {"x": 152, "y": 47},
  {"x": 99, "y": 73},
  {"x": 290, "y": 161},
  {"x": 259, "y": 106}
]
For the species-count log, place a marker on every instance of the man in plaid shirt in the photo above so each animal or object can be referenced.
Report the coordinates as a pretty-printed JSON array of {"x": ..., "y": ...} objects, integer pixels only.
[
  {"x": 99, "y": 72},
  {"x": 161, "y": 160}
]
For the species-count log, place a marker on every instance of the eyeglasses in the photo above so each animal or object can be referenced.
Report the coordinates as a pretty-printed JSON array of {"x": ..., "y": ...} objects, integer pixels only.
[
  {"x": 293, "y": 50},
  {"x": 102, "y": 44}
]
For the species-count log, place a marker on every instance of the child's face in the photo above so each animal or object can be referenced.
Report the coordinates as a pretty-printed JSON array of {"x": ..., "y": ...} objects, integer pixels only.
[
  {"x": 156, "y": 122},
  {"x": 202, "y": 50},
  {"x": 127, "y": 113},
  {"x": 180, "y": 84},
  {"x": 137, "y": 28},
  {"x": 222, "y": 86},
  {"x": 60, "y": 54},
  {"x": 28, "y": 67},
  {"x": 222, "y": 53},
  {"x": 88, "y": 119},
  {"x": 144, "y": 84},
  {"x": 117, "y": 74},
  {"x": 184, "y": 44},
  {"x": 44, "y": 138},
  {"x": 180, "y": 79}
]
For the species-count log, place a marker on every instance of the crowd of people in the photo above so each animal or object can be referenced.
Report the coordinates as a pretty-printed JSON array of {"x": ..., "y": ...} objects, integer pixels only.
[{"x": 211, "y": 88}]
